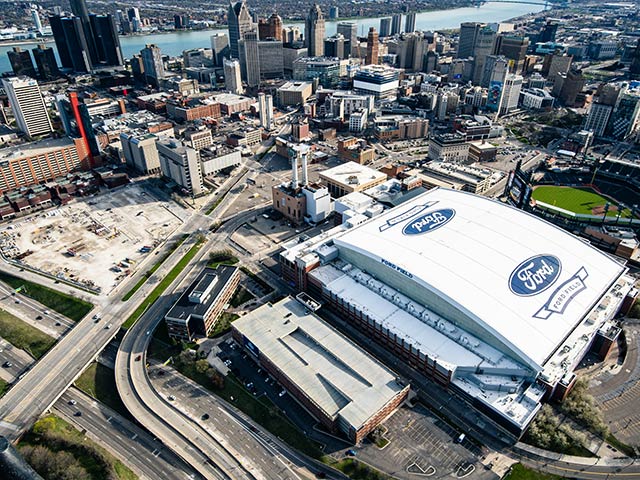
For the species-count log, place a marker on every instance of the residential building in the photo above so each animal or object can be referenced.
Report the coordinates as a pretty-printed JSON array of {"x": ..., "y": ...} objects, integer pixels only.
[
  {"x": 232, "y": 78},
  {"x": 448, "y": 147},
  {"x": 358, "y": 120},
  {"x": 199, "y": 138},
  {"x": 140, "y": 151},
  {"x": 181, "y": 164},
  {"x": 41, "y": 161},
  {"x": 598, "y": 118},
  {"x": 29, "y": 109},
  {"x": 265, "y": 110}
]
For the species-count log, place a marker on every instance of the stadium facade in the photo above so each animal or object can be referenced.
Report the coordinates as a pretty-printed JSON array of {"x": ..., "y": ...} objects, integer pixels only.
[{"x": 484, "y": 298}]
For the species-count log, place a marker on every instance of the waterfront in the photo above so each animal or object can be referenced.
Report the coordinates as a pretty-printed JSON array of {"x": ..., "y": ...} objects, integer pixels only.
[{"x": 174, "y": 43}]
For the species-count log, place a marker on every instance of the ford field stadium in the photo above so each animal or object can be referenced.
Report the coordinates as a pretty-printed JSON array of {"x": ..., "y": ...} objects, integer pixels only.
[{"x": 482, "y": 297}]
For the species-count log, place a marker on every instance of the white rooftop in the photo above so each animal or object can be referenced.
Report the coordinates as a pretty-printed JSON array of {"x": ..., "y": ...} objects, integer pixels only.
[
  {"x": 335, "y": 374},
  {"x": 514, "y": 277},
  {"x": 352, "y": 173}
]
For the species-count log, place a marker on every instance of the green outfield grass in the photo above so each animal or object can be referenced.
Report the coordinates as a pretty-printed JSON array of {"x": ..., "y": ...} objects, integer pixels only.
[{"x": 577, "y": 200}]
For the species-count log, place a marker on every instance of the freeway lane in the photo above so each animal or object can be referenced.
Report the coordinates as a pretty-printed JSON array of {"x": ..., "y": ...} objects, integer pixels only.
[
  {"x": 56, "y": 371},
  {"x": 147, "y": 457}
]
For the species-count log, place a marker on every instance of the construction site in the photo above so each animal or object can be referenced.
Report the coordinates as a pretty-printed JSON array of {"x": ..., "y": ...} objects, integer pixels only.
[{"x": 95, "y": 241}]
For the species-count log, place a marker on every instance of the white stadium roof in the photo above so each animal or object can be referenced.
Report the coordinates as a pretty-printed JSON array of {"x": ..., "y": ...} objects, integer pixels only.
[{"x": 522, "y": 280}]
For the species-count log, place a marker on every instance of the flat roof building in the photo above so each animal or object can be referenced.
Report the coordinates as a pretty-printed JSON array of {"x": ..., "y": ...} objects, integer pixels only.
[
  {"x": 488, "y": 300},
  {"x": 294, "y": 93},
  {"x": 198, "y": 308},
  {"x": 350, "y": 177},
  {"x": 341, "y": 385}
]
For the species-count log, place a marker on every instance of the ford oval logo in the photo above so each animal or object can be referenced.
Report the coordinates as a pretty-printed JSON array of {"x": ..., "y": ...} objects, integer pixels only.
[
  {"x": 535, "y": 275},
  {"x": 429, "y": 221}
]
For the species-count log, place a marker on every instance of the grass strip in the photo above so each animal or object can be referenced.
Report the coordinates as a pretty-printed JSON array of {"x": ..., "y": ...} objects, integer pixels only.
[
  {"x": 64, "y": 304},
  {"x": 153, "y": 269},
  {"x": 520, "y": 472},
  {"x": 57, "y": 450},
  {"x": 358, "y": 470},
  {"x": 628, "y": 450},
  {"x": 99, "y": 382},
  {"x": 4, "y": 386},
  {"x": 223, "y": 324},
  {"x": 23, "y": 336},
  {"x": 162, "y": 286}
]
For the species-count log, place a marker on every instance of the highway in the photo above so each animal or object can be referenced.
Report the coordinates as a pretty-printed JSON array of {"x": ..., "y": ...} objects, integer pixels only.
[{"x": 146, "y": 456}]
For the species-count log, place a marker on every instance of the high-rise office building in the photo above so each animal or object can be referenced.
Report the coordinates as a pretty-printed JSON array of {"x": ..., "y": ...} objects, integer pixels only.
[
  {"x": 396, "y": 24},
  {"x": 411, "y": 50},
  {"x": 140, "y": 151},
  {"x": 625, "y": 119},
  {"x": 35, "y": 16},
  {"x": 597, "y": 118},
  {"x": 572, "y": 85},
  {"x": 511, "y": 93},
  {"x": 385, "y": 27},
  {"x": 76, "y": 120},
  {"x": 133, "y": 15},
  {"x": 467, "y": 39},
  {"x": 265, "y": 107},
  {"x": 232, "y": 76},
  {"x": 513, "y": 48},
  {"x": 349, "y": 31},
  {"x": 314, "y": 32},
  {"x": 240, "y": 22},
  {"x": 46, "y": 62},
  {"x": 548, "y": 33},
  {"x": 71, "y": 43},
  {"x": 219, "y": 48},
  {"x": 337, "y": 46},
  {"x": 483, "y": 47},
  {"x": 410, "y": 23},
  {"x": 634, "y": 68},
  {"x": 80, "y": 10},
  {"x": 153, "y": 65},
  {"x": 334, "y": 12},
  {"x": 373, "y": 46},
  {"x": 106, "y": 40},
  {"x": 21, "y": 63},
  {"x": 250, "y": 58},
  {"x": 28, "y": 106},
  {"x": 496, "y": 68}
]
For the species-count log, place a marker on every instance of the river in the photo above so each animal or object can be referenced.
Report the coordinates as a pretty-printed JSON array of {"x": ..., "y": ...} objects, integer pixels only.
[{"x": 175, "y": 42}]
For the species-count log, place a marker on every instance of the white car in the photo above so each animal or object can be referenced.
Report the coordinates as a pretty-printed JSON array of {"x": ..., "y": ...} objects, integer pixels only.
[{"x": 282, "y": 393}]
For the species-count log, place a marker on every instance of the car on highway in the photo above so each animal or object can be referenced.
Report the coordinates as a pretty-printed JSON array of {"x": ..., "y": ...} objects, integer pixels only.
[
  {"x": 7, "y": 364},
  {"x": 107, "y": 326},
  {"x": 96, "y": 317},
  {"x": 58, "y": 324},
  {"x": 282, "y": 393},
  {"x": 138, "y": 358},
  {"x": 171, "y": 398},
  {"x": 205, "y": 416},
  {"x": 351, "y": 452},
  {"x": 39, "y": 317},
  {"x": 46, "y": 312},
  {"x": 72, "y": 402},
  {"x": 77, "y": 414}
]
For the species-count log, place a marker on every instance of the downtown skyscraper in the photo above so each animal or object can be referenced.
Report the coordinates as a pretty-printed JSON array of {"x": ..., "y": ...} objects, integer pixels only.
[
  {"x": 240, "y": 22},
  {"x": 314, "y": 32}
]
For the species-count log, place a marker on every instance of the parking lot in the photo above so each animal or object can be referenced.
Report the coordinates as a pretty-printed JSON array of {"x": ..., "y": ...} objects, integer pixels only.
[{"x": 95, "y": 240}]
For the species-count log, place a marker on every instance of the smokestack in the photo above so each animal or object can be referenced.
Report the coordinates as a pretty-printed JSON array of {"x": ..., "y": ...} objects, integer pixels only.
[
  {"x": 304, "y": 153},
  {"x": 294, "y": 168}
]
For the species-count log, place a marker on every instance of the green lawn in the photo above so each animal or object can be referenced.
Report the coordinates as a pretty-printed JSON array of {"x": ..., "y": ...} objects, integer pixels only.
[
  {"x": 162, "y": 286},
  {"x": 260, "y": 410},
  {"x": 577, "y": 200},
  {"x": 3, "y": 387},
  {"x": 223, "y": 324},
  {"x": 520, "y": 472},
  {"x": 67, "y": 305},
  {"x": 359, "y": 471},
  {"x": 61, "y": 451},
  {"x": 24, "y": 336},
  {"x": 99, "y": 382},
  {"x": 241, "y": 296},
  {"x": 152, "y": 270}
]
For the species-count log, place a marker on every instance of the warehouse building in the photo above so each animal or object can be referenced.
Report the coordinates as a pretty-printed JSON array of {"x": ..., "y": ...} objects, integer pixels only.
[{"x": 342, "y": 386}]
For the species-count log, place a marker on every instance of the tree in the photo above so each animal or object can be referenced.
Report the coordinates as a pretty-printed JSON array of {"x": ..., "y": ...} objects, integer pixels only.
[{"x": 202, "y": 366}]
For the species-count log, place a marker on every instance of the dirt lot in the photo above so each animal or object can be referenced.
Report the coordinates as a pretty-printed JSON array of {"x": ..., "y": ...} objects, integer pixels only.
[{"x": 94, "y": 240}]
